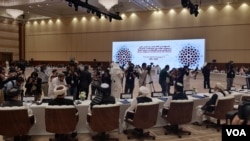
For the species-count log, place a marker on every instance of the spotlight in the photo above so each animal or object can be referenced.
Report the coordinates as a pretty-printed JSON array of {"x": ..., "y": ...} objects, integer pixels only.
[
  {"x": 196, "y": 12},
  {"x": 190, "y": 5},
  {"x": 92, "y": 9},
  {"x": 98, "y": 15},
  {"x": 76, "y": 7},
  {"x": 185, "y": 3},
  {"x": 191, "y": 9},
  {"x": 70, "y": 4}
]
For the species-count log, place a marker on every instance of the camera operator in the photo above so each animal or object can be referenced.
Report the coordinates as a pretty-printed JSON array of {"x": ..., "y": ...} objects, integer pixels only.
[
  {"x": 130, "y": 75},
  {"x": 181, "y": 73},
  {"x": 72, "y": 80},
  {"x": 177, "y": 75},
  {"x": 34, "y": 85},
  {"x": 14, "y": 83}
]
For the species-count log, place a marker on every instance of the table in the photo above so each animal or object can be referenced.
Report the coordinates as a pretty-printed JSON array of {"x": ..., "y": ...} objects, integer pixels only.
[
  {"x": 39, "y": 127},
  {"x": 222, "y": 77},
  {"x": 39, "y": 112}
]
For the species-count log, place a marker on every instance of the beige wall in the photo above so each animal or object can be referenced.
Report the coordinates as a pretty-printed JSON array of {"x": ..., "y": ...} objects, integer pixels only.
[
  {"x": 225, "y": 28},
  {"x": 9, "y": 38}
]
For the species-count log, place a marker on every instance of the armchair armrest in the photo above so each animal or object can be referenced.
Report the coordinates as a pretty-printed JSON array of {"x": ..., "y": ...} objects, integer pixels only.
[
  {"x": 164, "y": 111},
  {"x": 129, "y": 115},
  {"x": 88, "y": 117},
  {"x": 210, "y": 108},
  {"x": 237, "y": 101}
]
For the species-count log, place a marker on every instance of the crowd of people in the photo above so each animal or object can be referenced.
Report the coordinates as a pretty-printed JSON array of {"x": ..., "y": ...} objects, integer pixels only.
[
  {"x": 107, "y": 85},
  {"x": 78, "y": 78}
]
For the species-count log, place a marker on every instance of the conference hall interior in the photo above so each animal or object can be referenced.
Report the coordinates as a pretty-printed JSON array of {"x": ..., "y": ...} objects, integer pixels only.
[{"x": 177, "y": 33}]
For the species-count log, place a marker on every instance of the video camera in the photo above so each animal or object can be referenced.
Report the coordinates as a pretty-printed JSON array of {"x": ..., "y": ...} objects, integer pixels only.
[
  {"x": 149, "y": 68},
  {"x": 131, "y": 69}
]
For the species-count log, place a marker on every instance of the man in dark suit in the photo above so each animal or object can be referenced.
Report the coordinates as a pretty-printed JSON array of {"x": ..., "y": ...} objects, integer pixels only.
[
  {"x": 84, "y": 81},
  {"x": 164, "y": 80},
  {"x": 206, "y": 74}
]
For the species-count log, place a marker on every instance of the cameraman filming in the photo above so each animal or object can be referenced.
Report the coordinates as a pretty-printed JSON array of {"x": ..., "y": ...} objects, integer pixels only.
[
  {"x": 34, "y": 86},
  {"x": 130, "y": 75}
]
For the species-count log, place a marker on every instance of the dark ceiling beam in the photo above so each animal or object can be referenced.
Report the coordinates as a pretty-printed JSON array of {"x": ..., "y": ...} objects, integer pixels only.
[{"x": 94, "y": 9}]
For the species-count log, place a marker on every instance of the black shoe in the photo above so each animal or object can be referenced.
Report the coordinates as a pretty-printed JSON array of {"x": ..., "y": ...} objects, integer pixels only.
[
  {"x": 125, "y": 131},
  {"x": 197, "y": 123},
  {"x": 73, "y": 134},
  {"x": 206, "y": 121}
]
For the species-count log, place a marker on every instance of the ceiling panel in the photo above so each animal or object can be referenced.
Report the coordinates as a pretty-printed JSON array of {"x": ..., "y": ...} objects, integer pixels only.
[{"x": 40, "y": 9}]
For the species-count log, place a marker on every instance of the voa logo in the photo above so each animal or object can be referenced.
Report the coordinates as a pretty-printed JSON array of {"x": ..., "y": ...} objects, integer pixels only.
[{"x": 236, "y": 132}]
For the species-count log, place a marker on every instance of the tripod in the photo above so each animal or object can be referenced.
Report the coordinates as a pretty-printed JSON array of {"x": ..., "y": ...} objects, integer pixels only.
[{"x": 152, "y": 88}]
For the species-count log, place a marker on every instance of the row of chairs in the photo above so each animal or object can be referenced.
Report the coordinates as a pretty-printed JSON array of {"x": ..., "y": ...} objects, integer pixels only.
[
  {"x": 63, "y": 119},
  {"x": 16, "y": 123}
]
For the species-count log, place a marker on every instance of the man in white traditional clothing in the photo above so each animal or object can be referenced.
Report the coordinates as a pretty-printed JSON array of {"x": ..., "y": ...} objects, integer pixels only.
[
  {"x": 59, "y": 80},
  {"x": 187, "y": 79},
  {"x": 143, "y": 74},
  {"x": 117, "y": 75}
]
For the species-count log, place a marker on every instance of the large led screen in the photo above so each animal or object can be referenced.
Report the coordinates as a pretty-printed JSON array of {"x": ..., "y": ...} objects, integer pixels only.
[{"x": 175, "y": 53}]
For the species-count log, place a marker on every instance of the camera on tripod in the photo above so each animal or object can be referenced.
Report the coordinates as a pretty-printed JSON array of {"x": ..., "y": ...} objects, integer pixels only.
[{"x": 149, "y": 68}]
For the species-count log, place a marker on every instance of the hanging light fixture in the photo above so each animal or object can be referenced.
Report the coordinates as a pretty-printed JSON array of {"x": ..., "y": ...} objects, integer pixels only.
[
  {"x": 108, "y": 4},
  {"x": 14, "y": 13}
]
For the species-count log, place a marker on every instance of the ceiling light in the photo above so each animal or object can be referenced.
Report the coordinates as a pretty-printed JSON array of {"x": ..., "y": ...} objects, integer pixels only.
[
  {"x": 14, "y": 13},
  {"x": 70, "y": 4},
  {"x": 108, "y": 4}
]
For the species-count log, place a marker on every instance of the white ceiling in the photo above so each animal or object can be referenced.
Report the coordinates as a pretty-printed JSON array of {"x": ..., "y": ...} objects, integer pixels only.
[{"x": 40, "y": 9}]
